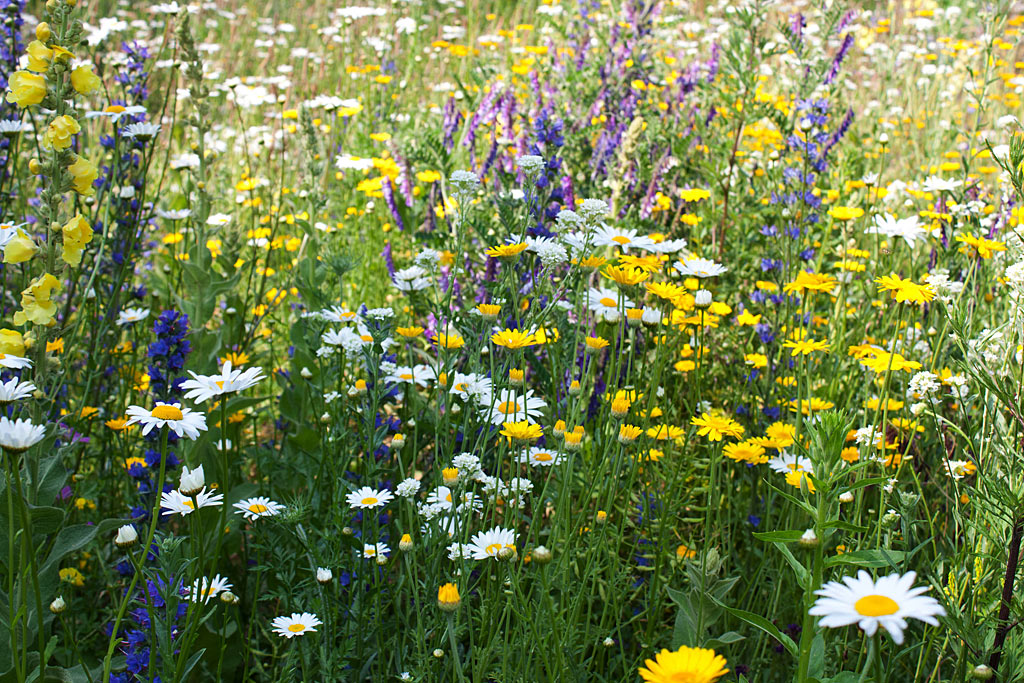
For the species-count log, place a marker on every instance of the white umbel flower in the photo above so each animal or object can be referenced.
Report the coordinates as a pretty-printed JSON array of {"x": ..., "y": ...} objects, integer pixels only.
[
  {"x": 204, "y": 387},
  {"x": 182, "y": 421},
  {"x": 295, "y": 625},
  {"x": 870, "y": 604}
]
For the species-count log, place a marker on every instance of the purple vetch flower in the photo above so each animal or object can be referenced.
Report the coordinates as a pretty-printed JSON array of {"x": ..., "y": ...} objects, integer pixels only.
[
  {"x": 837, "y": 62},
  {"x": 389, "y": 199},
  {"x": 389, "y": 261}
]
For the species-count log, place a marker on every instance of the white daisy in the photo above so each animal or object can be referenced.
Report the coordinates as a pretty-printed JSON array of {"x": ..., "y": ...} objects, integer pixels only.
[
  {"x": 260, "y": 506},
  {"x": 142, "y": 131},
  {"x": 12, "y": 362},
  {"x": 606, "y": 302},
  {"x": 295, "y": 625},
  {"x": 183, "y": 421},
  {"x": 376, "y": 550},
  {"x": 132, "y": 315},
  {"x": 15, "y": 390},
  {"x": 784, "y": 463},
  {"x": 209, "y": 589},
  {"x": 204, "y": 387},
  {"x": 700, "y": 267},
  {"x": 509, "y": 405},
  {"x": 20, "y": 435},
  {"x": 367, "y": 497},
  {"x": 540, "y": 457},
  {"x": 472, "y": 386},
  {"x": 888, "y": 603},
  {"x": 937, "y": 184},
  {"x": 622, "y": 238},
  {"x": 402, "y": 374},
  {"x": 487, "y": 544},
  {"x": 909, "y": 229},
  {"x": 172, "y": 502}
]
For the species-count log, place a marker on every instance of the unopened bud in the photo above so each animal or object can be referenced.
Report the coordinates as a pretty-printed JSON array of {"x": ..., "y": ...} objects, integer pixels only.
[
  {"x": 506, "y": 554},
  {"x": 846, "y": 497},
  {"x": 982, "y": 672},
  {"x": 406, "y": 544},
  {"x": 43, "y": 32},
  {"x": 34, "y": 167},
  {"x": 809, "y": 539},
  {"x": 438, "y": 653},
  {"x": 324, "y": 575},
  {"x": 58, "y": 605},
  {"x": 126, "y": 536},
  {"x": 541, "y": 555}
]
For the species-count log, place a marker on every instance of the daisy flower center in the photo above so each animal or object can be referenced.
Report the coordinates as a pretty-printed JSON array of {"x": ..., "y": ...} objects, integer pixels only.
[
  {"x": 492, "y": 549},
  {"x": 508, "y": 407},
  {"x": 609, "y": 302},
  {"x": 220, "y": 384},
  {"x": 297, "y": 628},
  {"x": 543, "y": 457},
  {"x": 406, "y": 375},
  {"x": 257, "y": 508},
  {"x": 876, "y": 606},
  {"x": 369, "y": 500},
  {"x": 621, "y": 239},
  {"x": 189, "y": 504},
  {"x": 167, "y": 413}
]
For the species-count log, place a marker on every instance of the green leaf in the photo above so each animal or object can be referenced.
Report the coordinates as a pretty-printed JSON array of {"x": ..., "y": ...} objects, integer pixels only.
[
  {"x": 790, "y": 536},
  {"x": 757, "y": 621},
  {"x": 727, "y": 638},
  {"x": 877, "y": 559},
  {"x": 846, "y": 526}
]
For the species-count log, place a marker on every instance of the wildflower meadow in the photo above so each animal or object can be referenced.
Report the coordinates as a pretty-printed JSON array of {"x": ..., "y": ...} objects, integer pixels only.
[{"x": 513, "y": 341}]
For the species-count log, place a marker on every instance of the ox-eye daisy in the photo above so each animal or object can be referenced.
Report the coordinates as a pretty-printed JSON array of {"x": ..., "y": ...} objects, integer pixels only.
[
  {"x": 888, "y": 603},
  {"x": 367, "y": 497},
  {"x": 182, "y": 421},
  {"x": 204, "y": 387},
  {"x": 174, "y": 502},
  {"x": 295, "y": 625},
  {"x": 487, "y": 544},
  {"x": 260, "y": 506}
]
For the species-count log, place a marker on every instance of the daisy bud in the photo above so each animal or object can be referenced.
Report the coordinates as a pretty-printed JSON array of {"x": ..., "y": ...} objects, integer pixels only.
[
  {"x": 456, "y": 409},
  {"x": 382, "y": 560},
  {"x": 450, "y": 475},
  {"x": 347, "y": 531},
  {"x": 809, "y": 539},
  {"x": 228, "y": 598},
  {"x": 917, "y": 408},
  {"x": 325, "y": 418},
  {"x": 397, "y": 441},
  {"x": 438, "y": 653},
  {"x": 602, "y": 517},
  {"x": 406, "y": 545},
  {"x": 846, "y": 497},
  {"x": 702, "y": 298},
  {"x": 608, "y": 642},
  {"x": 126, "y": 536},
  {"x": 516, "y": 377},
  {"x": 506, "y": 554},
  {"x": 541, "y": 555},
  {"x": 324, "y": 575},
  {"x": 574, "y": 388},
  {"x": 448, "y": 597},
  {"x": 58, "y": 605},
  {"x": 305, "y": 373},
  {"x": 883, "y": 138},
  {"x": 192, "y": 481},
  {"x": 982, "y": 672}
]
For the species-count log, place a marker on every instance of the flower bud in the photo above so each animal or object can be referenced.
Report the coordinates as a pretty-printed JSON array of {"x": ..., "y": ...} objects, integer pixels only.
[
  {"x": 602, "y": 517},
  {"x": 58, "y": 605},
  {"x": 346, "y": 531},
  {"x": 506, "y": 554},
  {"x": 382, "y": 560},
  {"x": 192, "y": 481},
  {"x": 982, "y": 672},
  {"x": 702, "y": 298},
  {"x": 438, "y": 653},
  {"x": 448, "y": 598},
  {"x": 406, "y": 544},
  {"x": 541, "y": 555},
  {"x": 34, "y": 167},
  {"x": 324, "y": 575},
  {"x": 305, "y": 373},
  {"x": 43, "y": 32},
  {"x": 450, "y": 475},
  {"x": 809, "y": 539},
  {"x": 397, "y": 441},
  {"x": 228, "y": 598},
  {"x": 126, "y": 537},
  {"x": 846, "y": 497},
  {"x": 608, "y": 642}
]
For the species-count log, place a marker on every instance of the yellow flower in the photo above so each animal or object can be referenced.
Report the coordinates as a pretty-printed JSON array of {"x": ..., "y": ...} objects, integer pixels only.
[
  {"x": 77, "y": 233},
  {"x": 521, "y": 431},
  {"x": 687, "y": 664},
  {"x": 428, "y": 176},
  {"x": 596, "y": 343},
  {"x": 806, "y": 347},
  {"x": 810, "y": 282},
  {"x": 11, "y": 342},
  {"x": 985, "y": 247},
  {"x": 72, "y": 576},
  {"x": 409, "y": 332},
  {"x": 626, "y": 275},
  {"x": 21, "y": 248},
  {"x": 36, "y": 304},
  {"x": 489, "y": 311},
  {"x": 84, "y": 80},
  {"x": 715, "y": 427},
  {"x": 450, "y": 341},
  {"x": 506, "y": 251},
  {"x": 845, "y": 213},
  {"x": 84, "y": 173},
  {"x": 448, "y": 597},
  {"x": 513, "y": 339},
  {"x": 745, "y": 451},
  {"x": 905, "y": 290},
  {"x": 882, "y": 361},
  {"x": 797, "y": 477},
  {"x": 26, "y": 88},
  {"x": 39, "y": 57},
  {"x": 693, "y": 195},
  {"x": 60, "y": 131}
]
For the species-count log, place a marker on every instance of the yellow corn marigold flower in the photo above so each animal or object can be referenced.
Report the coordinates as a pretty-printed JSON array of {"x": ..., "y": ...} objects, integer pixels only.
[
  {"x": 506, "y": 251},
  {"x": 489, "y": 311},
  {"x": 666, "y": 432},
  {"x": 806, "y": 347},
  {"x": 72, "y": 576},
  {"x": 693, "y": 195},
  {"x": 685, "y": 553},
  {"x": 450, "y": 475},
  {"x": 409, "y": 332},
  {"x": 905, "y": 291},
  {"x": 715, "y": 427},
  {"x": 626, "y": 275},
  {"x": 448, "y": 597},
  {"x": 521, "y": 431},
  {"x": 984, "y": 247},
  {"x": 118, "y": 424},
  {"x": 744, "y": 451},
  {"x": 449, "y": 341},
  {"x": 513, "y": 339},
  {"x": 756, "y": 360},
  {"x": 798, "y": 477},
  {"x": 689, "y": 664},
  {"x": 596, "y": 343},
  {"x": 845, "y": 213},
  {"x": 590, "y": 262},
  {"x": 882, "y": 361},
  {"x": 629, "y": 433},
  {"x": 808, "y": 407},
  {"x": 810, "y": 282}
]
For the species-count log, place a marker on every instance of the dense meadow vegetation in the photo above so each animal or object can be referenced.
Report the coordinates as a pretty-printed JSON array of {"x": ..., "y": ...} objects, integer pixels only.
[{"x": 581, "y": 340}]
